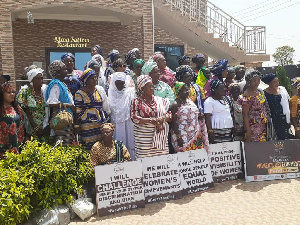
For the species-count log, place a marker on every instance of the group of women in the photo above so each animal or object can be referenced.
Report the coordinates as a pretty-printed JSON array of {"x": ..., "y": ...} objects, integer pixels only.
[{"x": 125, "y": 110}]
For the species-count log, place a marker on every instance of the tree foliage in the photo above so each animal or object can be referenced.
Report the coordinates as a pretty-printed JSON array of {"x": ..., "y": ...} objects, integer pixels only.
[
  {"x": 284, "y": 55},
  {"x": 283, "y": 79}
]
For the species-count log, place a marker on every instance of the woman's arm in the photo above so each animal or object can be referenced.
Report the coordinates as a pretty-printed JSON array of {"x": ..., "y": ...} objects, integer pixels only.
[
  {"x": 211, "y": 134},
  {"x": 245, "y": 111},
  {"x": 174, "y": 125}
]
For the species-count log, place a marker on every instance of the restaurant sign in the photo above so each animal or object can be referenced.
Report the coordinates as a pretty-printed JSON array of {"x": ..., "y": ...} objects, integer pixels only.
[{"x": 72, "y": 42}]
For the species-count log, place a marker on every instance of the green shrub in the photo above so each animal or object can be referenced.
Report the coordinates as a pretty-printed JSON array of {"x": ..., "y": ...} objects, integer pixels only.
[
  {"x": 40, "y": 177},
  {"x": 283, "y": 79}
]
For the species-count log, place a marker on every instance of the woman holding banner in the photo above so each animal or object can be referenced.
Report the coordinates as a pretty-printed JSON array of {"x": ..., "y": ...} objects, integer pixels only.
[
  {"x": 150, "y": 115},
  {"x": 217, "y": 111}
]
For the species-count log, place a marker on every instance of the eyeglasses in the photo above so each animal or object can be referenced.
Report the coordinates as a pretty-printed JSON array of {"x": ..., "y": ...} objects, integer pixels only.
[{"x": 124, "y": 66}]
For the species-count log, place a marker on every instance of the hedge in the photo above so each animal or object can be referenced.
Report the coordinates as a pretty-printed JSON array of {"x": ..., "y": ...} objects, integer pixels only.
[{"x": 40, "y": 177}]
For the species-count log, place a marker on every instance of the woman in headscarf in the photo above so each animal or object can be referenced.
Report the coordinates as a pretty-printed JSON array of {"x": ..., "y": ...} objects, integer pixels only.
[
  {"x": 131, "y": 56},
  {"x": 11, "y": 121},
  {"x": 167, "y": 75},
  {"x": 92, "y": 109},
  {"x": 120, "y": 97},
  {"x": 150, "y": 115},
  {"x": 278, "y": 101},
  {"x": 185, "y": 129},
  {"x": 254, "y": 109},
  {"x": 230, "y": 77},
  {"x": 58, "y": 97},
  {"x": 111, "y": 57},
  {"x": 137, "y": 69},
  {"x": 220, "y": 71},
  {"x": 185, "y": 74},
  {"x": 97, "y": 64},
  {"x": 108, "y": 150},
  {"x": 120, "y": 67},
  {"x": 217, "y": 110},
  {"x": 96, "y": 49},
  {"x": 161, "y": 88},
  {"x": 31, "y": 99},
  {"x": 295, "y": 107},
  {"x": 72, "y": 79},
  {"x": 184, "y": 60},
  {"x": 200, "y": 76}
]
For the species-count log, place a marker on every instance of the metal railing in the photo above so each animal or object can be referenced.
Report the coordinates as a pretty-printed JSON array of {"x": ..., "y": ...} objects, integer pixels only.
[{"x": 251, "y": 39}]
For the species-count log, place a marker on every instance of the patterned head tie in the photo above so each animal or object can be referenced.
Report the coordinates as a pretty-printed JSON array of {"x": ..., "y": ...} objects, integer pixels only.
[
  {"x": 54, "y": 67},
  {"x": 157, "y": 56},
  {"x": 148, "y": 67},
  {"x": 111, "y": 56},
  {"x": 182, "y": 59},
  {"x": 98, "y": 49},
  {"x": 109, "y": 126},
  {"x": 86, "y": 75},
  {"x": 180, "y": 71},
  {"x": 64, "y": 56},
  {"x": 250, "y": 74},
  {"x": 296, "y": 82},
  {"x": 177, "y": 88},
  {"x": 131, "y": 54},
  {"x": 267, "y": 78},
  {"x": 214, "y": 84},
  {"x": 138, "y": 61},
  {"x": 198, "y": 57},
  {"x": 142, "y": 80},
  {"x": 219, "y": 67}
]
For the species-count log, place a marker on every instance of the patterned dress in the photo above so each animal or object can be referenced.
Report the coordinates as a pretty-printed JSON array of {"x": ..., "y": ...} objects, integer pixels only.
[
  {"x": 72, "y": 81},
  {"x": 257, "y": 116},
  {"x": 189, "y": 128},
  {"x": 295, "y": 108},
  {"x": 36, "y": 106},
  {"x": 11, "y": 130},
  {"x": 148, "y": 142},
  {"x": 91, "y": 114}
]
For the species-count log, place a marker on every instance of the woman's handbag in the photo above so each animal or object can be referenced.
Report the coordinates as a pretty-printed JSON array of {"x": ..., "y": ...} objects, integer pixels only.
[{"x": 61, "y": 119}]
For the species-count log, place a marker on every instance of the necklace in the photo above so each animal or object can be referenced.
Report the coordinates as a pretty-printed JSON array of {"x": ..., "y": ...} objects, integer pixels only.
[{"x": 38, "y": 98}]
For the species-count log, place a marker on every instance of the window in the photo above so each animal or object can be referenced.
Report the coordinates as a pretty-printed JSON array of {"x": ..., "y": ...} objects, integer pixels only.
[
  {"x": 82, "y": 56},
  {"x": 171, "y": 53}
]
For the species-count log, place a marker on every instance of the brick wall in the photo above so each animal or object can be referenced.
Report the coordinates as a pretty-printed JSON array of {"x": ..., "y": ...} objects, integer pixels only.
[{"x": 30, "y": 40}]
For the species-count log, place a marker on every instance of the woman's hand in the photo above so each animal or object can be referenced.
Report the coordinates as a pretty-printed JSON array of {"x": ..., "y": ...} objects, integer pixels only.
[{"x": 77, "y": 130}]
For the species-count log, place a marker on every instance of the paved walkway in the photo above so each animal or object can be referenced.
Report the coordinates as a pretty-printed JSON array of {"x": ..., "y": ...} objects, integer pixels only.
[{"x": 233, "y": 202}]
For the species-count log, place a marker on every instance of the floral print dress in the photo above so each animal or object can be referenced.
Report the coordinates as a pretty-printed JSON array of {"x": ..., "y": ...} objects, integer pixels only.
[
  {"x": 11, "y": 131},
  {"x": 189, "y": 128}
]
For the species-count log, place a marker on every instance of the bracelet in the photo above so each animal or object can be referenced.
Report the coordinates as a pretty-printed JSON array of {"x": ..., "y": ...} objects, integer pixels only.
[
  {"x": 297, "y": 128},
  {"x": 76, "y": 126},
  {"x": 210, "y": 131}
]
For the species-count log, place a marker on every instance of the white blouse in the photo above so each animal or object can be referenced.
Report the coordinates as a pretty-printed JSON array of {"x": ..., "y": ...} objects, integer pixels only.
[
  {"x": 54, "y": 95},
  {"x": 220, "y": 113}
]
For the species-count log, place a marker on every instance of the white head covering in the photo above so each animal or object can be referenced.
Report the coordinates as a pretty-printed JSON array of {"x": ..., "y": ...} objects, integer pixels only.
[
  {"x": 33, "y": 73},
  {"x": 120, "y": 101},
  {"x": 101, "y": 78}
]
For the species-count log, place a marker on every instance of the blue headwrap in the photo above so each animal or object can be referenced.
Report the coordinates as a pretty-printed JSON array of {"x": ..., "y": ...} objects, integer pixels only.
[
  {"x": 219, "y": 67},
  {"x": 64, "y": 56},
  {"x": 86, "y": 75},
  {"x": 98, "y": 49},
  {"x": 267, "y": 78}
]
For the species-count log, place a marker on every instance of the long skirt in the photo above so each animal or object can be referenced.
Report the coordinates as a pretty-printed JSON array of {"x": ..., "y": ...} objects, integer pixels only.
[
  {"x": 66, "y": 135},
  {"x": 144, "y": 141},
  {"x": 124, "y": 132},
  {"x": 223, "y": 135},
  {"x": 90, "y": 134}
]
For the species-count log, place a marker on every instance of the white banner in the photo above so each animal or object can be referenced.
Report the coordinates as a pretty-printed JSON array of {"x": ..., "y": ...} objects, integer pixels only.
[
  {"x": 194, "y": 171},
  {"x": 161, "y": 178},
  {"x": 119, "y": 187},
  {"x": 226, "y": 161}
]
